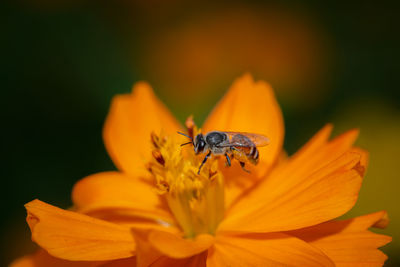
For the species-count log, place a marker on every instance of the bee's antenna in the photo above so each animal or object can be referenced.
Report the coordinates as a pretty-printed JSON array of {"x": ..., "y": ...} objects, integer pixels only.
[
  {"x": 187, "y": 143},
  {"x": 186, "y": 136}
]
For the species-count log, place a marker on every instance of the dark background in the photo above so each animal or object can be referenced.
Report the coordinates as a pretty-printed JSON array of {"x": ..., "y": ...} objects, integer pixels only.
[{"x": 62, "y": 62}]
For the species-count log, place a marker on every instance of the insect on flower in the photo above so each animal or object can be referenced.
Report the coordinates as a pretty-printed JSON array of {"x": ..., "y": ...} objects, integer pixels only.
[
  {"x": 238, "y": 145},
  {"x": 155, "y": 211}
]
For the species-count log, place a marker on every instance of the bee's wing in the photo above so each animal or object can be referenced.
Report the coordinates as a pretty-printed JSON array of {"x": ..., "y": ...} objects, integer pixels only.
[{"x": 241, "y": 139}]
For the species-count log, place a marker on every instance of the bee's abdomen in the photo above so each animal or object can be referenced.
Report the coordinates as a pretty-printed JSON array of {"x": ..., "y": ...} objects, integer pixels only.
[
  {"x": 248, "y": 147},
  {"x": 253, "y": 155}
]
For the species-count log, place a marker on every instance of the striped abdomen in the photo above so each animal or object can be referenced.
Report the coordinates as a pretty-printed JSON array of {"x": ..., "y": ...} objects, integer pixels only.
[{"x": 247, "y": 150}]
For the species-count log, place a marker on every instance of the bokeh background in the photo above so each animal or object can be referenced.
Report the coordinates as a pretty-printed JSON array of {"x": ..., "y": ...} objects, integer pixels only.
[{"x": 62, "y": 61}]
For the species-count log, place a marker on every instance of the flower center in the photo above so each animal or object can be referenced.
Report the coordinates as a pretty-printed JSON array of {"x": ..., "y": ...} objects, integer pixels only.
[{"x": 196, "y": 201}]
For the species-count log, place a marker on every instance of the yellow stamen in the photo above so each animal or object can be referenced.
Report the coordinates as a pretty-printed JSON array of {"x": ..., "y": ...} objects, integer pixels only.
[{"x": 196, "y": 201}]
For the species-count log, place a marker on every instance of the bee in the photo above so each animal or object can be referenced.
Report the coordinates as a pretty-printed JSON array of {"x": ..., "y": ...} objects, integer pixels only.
[{"x": 238, "y": 145}]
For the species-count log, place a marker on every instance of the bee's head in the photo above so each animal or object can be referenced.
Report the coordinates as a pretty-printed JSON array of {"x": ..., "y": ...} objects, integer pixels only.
[{"x": 199, "y": 144}]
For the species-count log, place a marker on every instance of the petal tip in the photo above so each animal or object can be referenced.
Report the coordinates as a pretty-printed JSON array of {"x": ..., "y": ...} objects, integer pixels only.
[
  {"x": 354, "y": 132},
  {"x": 31, "y": 219},
  {"x": 33, "y": 203},
  {"x": 142, "y": 88},
  {"x": 243, "y": 82},
  {"x": 246, "y": 77},
  {"x": 383, "y": 222},
  {"x": 247, "y": 81},
  {"x": 328, "y": 127}
]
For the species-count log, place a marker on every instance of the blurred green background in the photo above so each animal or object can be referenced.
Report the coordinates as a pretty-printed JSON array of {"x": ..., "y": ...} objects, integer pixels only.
[{"x": 62, "y": 61}]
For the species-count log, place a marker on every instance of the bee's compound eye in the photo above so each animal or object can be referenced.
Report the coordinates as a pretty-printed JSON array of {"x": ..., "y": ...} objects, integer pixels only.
[
  {"x": 202, "y": 144},
  {"x": 199, "y": 144}
]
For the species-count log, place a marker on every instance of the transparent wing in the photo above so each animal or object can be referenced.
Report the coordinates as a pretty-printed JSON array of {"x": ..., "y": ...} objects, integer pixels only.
[{"x": 242, "y": 139}]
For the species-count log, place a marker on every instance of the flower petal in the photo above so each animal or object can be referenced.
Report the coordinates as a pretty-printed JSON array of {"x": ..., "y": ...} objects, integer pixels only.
[
  {"x": 274, "y": 249},
  {"x": 194, "y": 261},
  {"x": 73, "y": 236},
  {"x": 131, "y": 120},
  {"x": 117, "y": 191},
  {"x": 348, "y": 242},
  {"x": 174, "y": 246},
  {"x": 42, "y": 258},
  {"x": 129, "y": 262},
  {"x": 251, "y": 107},
  {"x": 146, "y": 254},
  {"x": 362, "y": 167},
  {"x": 318, "y": 153},
  {"x": 298, "y": 195},
  {"x": 334, "y": 227}
]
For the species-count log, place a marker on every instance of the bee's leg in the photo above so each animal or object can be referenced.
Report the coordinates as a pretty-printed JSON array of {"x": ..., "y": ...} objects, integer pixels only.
[
  {"x": 204, "y": 161},
  {"x": 242, "y": 165},
  {"x": 228, "y": 160}
]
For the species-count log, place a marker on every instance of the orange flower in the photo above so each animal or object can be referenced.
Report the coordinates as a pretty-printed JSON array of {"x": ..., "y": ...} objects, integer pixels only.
[{"x": 157, "y": 211}]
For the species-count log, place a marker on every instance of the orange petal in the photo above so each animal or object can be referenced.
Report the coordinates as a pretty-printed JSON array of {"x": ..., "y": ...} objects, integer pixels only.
[
  {"x": 318, "y": 141},
  {"x": 318, "y": 153},
  {"x": 364, "y": 160},
  {"x": 286, "y": 201},
  {"x": 249, "y": 107},
  {"x": 129, "y": 262},
  {"x": 194, "y": 261},
  {"x": 307, "y": 151},
  {"x": 42, "y": 259},
  {"x": 348, "y": 242},
  {"x": 174, "y": 246},
  {"x": 274, "y": 249},
  {"x": 147, "y": 255},
  {"x": 117, "y": 191},
  {"x": 357, "y": 224},
  {"x": 73, "y": 236},
  {"x": 131, "y": 120}
]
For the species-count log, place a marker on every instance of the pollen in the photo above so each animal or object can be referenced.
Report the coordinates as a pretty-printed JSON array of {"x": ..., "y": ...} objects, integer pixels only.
[{"x": 195, "y": 200}]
